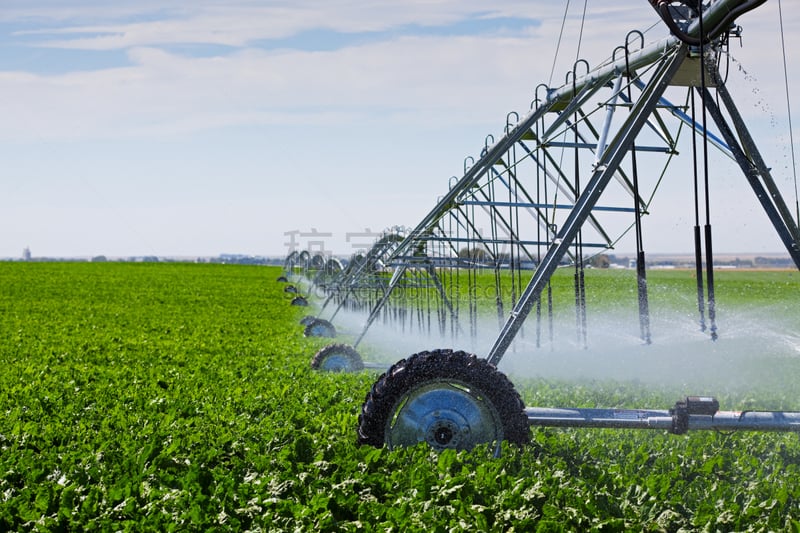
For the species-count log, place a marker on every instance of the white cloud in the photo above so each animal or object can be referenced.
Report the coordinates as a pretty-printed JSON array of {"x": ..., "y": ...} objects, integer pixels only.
[
  {"x": 425, "y": 78},
  {"x": 407, "y": 78}
]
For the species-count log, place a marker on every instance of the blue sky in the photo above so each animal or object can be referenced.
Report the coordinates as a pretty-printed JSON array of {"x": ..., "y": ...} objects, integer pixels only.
[{"x": 199, "y": 128}]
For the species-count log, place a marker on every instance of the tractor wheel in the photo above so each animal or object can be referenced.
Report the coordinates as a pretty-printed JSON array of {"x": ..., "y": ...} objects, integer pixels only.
[
  {"x": 449, "y": 399},
  {"x": 337, "y": 358},
  {"x": 320, "y": 328}
]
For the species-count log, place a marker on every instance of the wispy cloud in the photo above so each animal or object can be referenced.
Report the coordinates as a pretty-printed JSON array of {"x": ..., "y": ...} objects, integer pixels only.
[
  {"x": 159, "y": 91},
  {"x": 242, "y": 23},
  {"x": 201, "y": 65}
]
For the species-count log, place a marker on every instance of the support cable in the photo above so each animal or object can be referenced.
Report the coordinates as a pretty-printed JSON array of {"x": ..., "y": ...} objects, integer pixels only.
[
  {"x": 789, "y": 113},
  {"x": 558, "y": 44},
  {"x": 580, "y": 34}
]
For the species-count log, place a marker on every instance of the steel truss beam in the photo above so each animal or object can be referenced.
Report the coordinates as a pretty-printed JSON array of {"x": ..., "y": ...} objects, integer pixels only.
[
  {"x": 607, "y": 167},
  {"x": 534, "y": 140}
]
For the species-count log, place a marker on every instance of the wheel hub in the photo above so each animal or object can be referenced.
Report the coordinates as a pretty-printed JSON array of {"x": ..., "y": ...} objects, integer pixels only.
[
  {"x": 445, "y": 415},
  {"x": 445, "y": 434}
]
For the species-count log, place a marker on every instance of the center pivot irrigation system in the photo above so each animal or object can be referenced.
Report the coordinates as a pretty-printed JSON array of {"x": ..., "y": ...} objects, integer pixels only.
[{"x": 562, "y": 184}]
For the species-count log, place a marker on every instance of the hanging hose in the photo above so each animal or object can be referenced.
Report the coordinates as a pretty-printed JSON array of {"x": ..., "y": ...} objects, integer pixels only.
[
  {"x": 441, "y": 306},
  {"x": 712, "y": 311},
  {"x": 550, "y": 229},
  {"x": 641, "y": 271},
  {"x": 498, "y": 286},
  {"x": 515, "y": 254},
  {"x": 580, "y": 280},
  {"x": 472, "y": 276},
  {"x": 540, "y": 170},
  {"x": 455, "y": 278},
  {"x": 698, "y": 245}
]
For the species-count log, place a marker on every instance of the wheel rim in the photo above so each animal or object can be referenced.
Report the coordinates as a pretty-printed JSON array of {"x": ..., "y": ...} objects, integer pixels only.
[
  {"x": 445, "y": 414},
  {"x": 337, "y": 362},
  {"x": 320, "y": 329}
]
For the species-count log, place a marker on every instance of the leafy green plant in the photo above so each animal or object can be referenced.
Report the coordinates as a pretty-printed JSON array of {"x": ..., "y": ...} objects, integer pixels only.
[{"x": 180, "y": 397}]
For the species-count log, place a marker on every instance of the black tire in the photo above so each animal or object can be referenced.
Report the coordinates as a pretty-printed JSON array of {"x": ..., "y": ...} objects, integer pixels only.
[
  {"x": 282, "y": 279},
  {"x": 426, "y": 378},
  {"x": 291, "y": 289},
  {"x": 300, "y": 301},
  {"x": 320, "y": 328},
  {"x": 337, "y": 358}
]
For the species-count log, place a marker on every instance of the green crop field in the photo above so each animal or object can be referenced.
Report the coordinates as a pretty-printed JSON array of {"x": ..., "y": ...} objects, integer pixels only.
[{"x": 179, "y": 397}]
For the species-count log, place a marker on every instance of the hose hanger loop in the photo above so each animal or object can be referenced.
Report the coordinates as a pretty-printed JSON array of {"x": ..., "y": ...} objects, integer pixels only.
[
  {"x": 511, "y": 123},
  {"x": 580, "y": 62},
  {"x": 469, "y": 162},
  {"x": 627, "y": 49},
  {"x": 536, "y": 99},
  {"x": 574, "y": 73},
  {"x": 635, "y": 33},
  {"x": 487, "y": 143}
]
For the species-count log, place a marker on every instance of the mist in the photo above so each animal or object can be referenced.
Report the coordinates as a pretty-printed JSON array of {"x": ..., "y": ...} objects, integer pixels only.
[{"x": 757, "y": 349}]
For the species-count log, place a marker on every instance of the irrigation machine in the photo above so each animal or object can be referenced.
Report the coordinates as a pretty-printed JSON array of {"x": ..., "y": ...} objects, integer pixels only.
[{"x": 559, "y": 187}]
